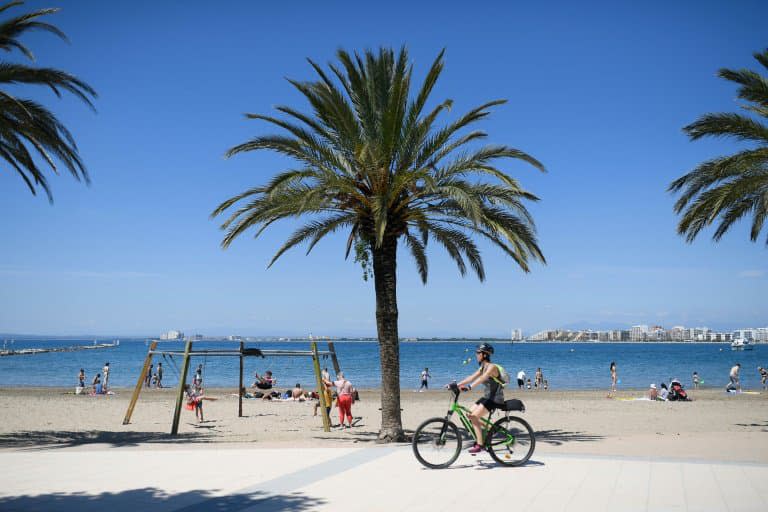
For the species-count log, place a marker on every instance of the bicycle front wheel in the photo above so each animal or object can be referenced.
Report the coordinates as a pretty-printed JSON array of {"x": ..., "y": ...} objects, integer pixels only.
[
  {"x": 437, "y": 443},
  {"x": 511, "y": 441}
]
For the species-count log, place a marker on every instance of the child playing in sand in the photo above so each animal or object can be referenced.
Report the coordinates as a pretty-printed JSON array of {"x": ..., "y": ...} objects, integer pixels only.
[{"x": 328, "y": 400}]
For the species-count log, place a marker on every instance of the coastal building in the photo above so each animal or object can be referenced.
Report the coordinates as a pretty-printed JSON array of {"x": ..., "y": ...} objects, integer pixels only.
[
  {"x": 638, "y": 333},
  {"x": 546, "y": 335},
  {"x": 677, "y": 333},
  {"x": 657, "y": 333},
  {"x": 747, "y": 334},
  {"x": 517, "y": 335},
  {"x": 172, "y": 335}
]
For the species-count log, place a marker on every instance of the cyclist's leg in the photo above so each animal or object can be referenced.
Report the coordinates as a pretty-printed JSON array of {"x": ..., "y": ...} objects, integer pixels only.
[{"x": 478, "y": 411}]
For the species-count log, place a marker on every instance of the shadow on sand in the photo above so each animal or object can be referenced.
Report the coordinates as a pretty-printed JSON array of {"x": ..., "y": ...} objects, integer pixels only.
[
  {"x": 151, "y": 499},
  {"x": 557, "y": 437},
  {"x": 48, "y": 439}
]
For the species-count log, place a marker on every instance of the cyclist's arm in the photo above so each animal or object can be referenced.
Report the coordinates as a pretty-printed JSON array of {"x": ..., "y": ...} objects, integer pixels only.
[
  {"x": 470, "y": 378},
  {"x": 490, "y": 372}
]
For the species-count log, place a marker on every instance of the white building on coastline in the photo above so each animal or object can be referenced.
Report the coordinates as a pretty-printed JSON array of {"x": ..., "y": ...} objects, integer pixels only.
[
  {"x": 638, "y": 333},
  {"x": 172, "y": 335}
]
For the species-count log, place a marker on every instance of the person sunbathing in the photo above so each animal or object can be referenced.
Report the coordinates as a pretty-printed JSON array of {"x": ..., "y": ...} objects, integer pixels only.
[
  {"x": 297, "y": 393},
  {"x": 265, "y": 382}
]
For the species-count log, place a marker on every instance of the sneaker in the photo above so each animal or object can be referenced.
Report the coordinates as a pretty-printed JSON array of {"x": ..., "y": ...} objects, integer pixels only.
[{"x": 476, "y": 448}]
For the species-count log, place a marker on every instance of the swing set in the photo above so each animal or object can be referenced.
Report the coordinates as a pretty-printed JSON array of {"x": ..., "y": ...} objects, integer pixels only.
[{"x": 241, "y": 353}]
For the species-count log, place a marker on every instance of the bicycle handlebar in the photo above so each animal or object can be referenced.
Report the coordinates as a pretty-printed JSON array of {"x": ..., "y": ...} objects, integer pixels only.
[{"x": 454, "y": 389}]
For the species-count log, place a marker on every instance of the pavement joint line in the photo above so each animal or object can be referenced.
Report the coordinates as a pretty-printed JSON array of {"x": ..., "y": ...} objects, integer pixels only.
[
  {"x": 637, "y": 458},
  {"x": 301, "y": 478}
]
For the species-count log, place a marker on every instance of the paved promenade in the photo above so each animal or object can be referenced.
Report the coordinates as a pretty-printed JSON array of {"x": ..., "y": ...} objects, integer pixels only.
[{"x": 247, "y": 479}]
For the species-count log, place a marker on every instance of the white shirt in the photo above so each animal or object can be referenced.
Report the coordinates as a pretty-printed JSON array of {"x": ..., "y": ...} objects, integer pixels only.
[
  {"x": 735, "y": 372},
  {"x": 521, "y": 375}
]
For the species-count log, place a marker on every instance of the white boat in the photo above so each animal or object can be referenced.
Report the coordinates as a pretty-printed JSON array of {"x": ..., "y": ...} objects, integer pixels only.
[{"x": 741, "y": 344}]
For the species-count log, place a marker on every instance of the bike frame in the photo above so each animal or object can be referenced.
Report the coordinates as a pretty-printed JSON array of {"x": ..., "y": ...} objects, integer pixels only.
[{"x": 462, "y": 412}]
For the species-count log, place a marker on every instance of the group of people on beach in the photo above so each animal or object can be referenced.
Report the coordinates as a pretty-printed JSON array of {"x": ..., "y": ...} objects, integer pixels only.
[
  {"x": 99, "y": 384},
  {"x": 154, "y": 379},
  {"x": 339, "y": 392},
  {"x": 539, "y": 382}
]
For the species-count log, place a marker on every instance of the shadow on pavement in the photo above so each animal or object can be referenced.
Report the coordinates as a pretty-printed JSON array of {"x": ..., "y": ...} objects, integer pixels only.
[
  {"x": 557, "y": 437},
  {"x": 481, "y": 464},
  {"x": 762, "y": 425},
  {"x": 150, "y": 499},
  {"x": 48, "y": 439}
]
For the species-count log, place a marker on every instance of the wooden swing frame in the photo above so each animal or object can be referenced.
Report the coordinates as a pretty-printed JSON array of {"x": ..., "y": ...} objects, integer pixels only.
[{"x": 241, "y": 353}]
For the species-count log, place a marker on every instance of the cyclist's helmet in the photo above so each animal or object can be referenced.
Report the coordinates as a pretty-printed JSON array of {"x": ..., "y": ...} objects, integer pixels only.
[{"x": 486, "y": 348}]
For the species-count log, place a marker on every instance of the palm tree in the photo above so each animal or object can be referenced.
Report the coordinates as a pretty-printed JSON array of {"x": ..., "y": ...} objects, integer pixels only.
[
  {"x": 30, "y": 135},
  {"x": 370, "y": 160},
  {"x": 725, "y": 189}
]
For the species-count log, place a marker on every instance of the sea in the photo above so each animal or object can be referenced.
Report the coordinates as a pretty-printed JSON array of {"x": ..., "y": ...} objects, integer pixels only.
[{"x": 566, "y": 366}]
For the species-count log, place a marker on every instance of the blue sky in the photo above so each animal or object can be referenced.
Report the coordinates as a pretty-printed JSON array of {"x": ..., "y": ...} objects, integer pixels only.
[{"x": 598, "y": 91}]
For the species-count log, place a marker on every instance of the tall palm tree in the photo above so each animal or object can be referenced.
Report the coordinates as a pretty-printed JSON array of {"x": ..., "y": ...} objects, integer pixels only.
[
  {"x": 370, "y": 160},
  {"x": 725, "y": 189},
  {"x": 30, "y": 135}
]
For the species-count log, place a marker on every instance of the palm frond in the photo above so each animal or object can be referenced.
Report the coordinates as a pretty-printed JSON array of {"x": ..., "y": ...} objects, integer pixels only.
[
  {"x": 373, "y": 158},
  {"x": 26, "y": 123},
  {"x": 726, "y": 189}
]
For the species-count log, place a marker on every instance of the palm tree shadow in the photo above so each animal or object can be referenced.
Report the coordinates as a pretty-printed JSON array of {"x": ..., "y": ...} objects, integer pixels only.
[
  {"x": 150, "y": 499},
  {"x": 54, "y": 439},
  {"x": 362, "y": 436}
]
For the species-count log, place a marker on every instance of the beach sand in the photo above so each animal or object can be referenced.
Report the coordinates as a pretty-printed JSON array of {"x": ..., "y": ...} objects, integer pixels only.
[{"x": 715, "y": 426}]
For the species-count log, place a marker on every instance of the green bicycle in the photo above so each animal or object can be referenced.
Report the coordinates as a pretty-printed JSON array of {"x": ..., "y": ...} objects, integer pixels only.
[{"x": 510, "y": 440}]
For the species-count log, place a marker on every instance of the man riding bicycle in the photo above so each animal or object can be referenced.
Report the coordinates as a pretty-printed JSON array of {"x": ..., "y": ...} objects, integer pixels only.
[{"x": 489, "y": 375}]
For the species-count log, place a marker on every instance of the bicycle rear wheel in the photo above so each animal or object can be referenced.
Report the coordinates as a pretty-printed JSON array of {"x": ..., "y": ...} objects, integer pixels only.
[
  {"x": 511, "y": 441},
  {"x": 437, "y": 443}
]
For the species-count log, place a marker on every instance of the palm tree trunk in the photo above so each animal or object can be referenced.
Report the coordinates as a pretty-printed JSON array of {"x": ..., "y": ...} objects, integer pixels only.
[{"x": 385, "y": 279}]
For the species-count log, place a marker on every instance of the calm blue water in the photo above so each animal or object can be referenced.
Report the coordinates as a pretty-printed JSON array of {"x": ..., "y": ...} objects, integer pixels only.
[{"x": 565, "y": 366}]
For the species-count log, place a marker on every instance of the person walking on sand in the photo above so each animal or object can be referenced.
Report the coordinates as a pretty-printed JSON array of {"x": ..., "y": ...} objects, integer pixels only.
[
  {"x": 105, "y": 371},
  {"x": 148, "y": 377},
  {"x": 521, "y": 380},
  {"x": 733, "y": 384},
  {"x": 159, "y": 376},
  {"x": 539, "y": 379},
  {"x": 614, "y": 379},
  {"x": 763, "y": 376},
  {"x": 425, "y": 376},
  {"x": 344, "y": 392},
  {"x": 695, "y": 380},
  {"x": 81, "y": 378}
]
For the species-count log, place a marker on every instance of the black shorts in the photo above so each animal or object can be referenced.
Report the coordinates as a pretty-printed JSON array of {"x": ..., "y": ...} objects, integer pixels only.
[
  {"x": 489, "y": 404},
  {"x": 263, "y": 385},
  {"x": 520, "y": 383}
]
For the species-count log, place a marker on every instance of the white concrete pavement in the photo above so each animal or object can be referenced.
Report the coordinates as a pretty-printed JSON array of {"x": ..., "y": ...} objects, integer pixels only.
[{"x": 246, "y": 479}]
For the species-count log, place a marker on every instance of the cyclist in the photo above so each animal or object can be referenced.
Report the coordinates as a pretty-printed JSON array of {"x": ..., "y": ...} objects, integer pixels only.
[{"x": 488, "y": 374}]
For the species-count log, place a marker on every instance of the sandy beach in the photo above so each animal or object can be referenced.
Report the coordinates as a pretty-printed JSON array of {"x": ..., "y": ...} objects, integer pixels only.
[{"x": 715, "y": 426}]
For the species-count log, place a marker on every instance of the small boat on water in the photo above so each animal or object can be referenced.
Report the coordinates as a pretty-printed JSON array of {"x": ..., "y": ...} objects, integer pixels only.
[{"x": 741, "y": 344}]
